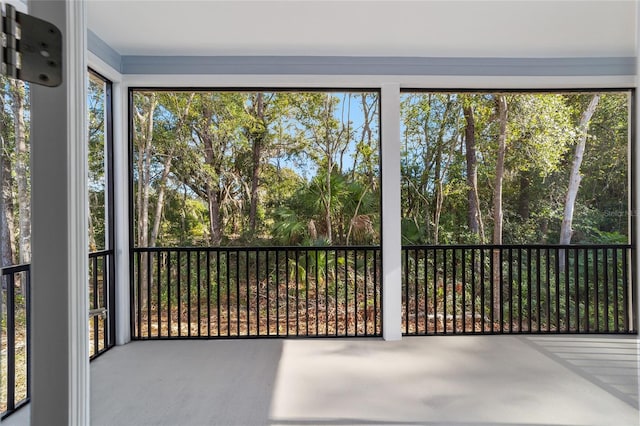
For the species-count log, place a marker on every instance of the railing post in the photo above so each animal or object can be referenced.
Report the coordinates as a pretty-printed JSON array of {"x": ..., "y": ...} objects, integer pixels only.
[
  {"x": 391, "y": 217},
  {"x": 11, "y": 342}
]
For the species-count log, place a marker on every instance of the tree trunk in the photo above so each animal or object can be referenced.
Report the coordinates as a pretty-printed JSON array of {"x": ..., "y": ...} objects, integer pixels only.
[
  {"x": 141, "y": 174},
  {"x": 144, "y": 173},
  {"x": 92, "y": 232},
  {"x": 497, "y": 203},
  {"x": 575, "y": 177},
  {"x": 367, "y": 137},
  {"x": 439, "y": 196},
  {"x": 214, "y": 214},
  {"x": 22, "y": 170},
  {"x": 327, "y": 217},
  {"x": 258, "y": 144},
  {"x": 440, "y": 172},
  {"x": 474, "y": 217},
  {"x": 212, "y": 188},
  {"x": 7, "y": 248},
  {"x": 327, "y": 203},
  {"x": 329, "y": 150},
  {"x": 524, "y": 197},
  {"x": 162, "y": 185},
  {"x": 157, "y": 217},
  {"x": 142, "y": 199},
  {"x": 355, "y": 215},
  {"x": 146, "y": 183},
  {"x": 497, "y": 189}
]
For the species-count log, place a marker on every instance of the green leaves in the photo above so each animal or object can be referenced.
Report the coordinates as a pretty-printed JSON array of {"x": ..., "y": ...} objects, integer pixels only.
[
  {"x": 290, "y": 161},
  {"x": 542, "y": 129},
  {"x": 540, "y": 132}
]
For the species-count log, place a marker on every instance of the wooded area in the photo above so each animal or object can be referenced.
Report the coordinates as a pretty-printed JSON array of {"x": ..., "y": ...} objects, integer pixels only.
[
  {"x": 303, "y": 168},
  {"x": 15, "y": 205},
  {"x": 15, "y": 217},
  {"x": 242, "y": 168},
  {"x": 515, "y": 168}
]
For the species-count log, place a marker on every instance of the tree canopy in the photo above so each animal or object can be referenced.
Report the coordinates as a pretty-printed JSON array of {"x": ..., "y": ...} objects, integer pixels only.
[
  {"x": 452, "y": 151},
  {"x": 237, "y": 168},
  {"x": 286, "y": 167}
]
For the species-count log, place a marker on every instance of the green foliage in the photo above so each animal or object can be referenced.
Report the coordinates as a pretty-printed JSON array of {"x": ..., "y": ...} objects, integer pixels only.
[
  {"x": 540, "y": 132},
  {"x": 288, "y": 229},
  {"x": 303, "y": 166},
  {"x": 96, "y": 163},
  {"x": 15, "y": 202},
  {"x": 542, "y": 129}
]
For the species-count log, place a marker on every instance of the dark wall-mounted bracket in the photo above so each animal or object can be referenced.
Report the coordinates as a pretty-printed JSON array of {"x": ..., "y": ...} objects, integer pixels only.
[{"x": 31, "y": 48}]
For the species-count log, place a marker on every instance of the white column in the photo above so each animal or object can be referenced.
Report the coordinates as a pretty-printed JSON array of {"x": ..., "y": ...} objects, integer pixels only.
[
  {"x": 391, "y": 229},
  {"x": 121, "y": 191},
  {"x": 635, "y": 164},
  {"x": 59, "y": 333}
]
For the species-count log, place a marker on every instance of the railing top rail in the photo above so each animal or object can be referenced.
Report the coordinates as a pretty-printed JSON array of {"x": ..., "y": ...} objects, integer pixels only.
[
  {"x": 256, "y": 248},
  {"x": 100, "y": 253},
  {"x": 25, "y": 267},
  {"x": 404, "y": 247},
  {"x": 517, "y": 246}
]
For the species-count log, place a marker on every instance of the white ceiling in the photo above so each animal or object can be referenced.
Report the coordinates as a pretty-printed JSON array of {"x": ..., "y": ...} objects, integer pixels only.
[{"x": 441, "y": 28}]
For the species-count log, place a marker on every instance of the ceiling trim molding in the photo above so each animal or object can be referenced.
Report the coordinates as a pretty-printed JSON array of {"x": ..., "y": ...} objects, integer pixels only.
[
  {"x": 359, "y": 65},
  {"x": 350, "y": 65},
  {"x": 102, "y": 50}
]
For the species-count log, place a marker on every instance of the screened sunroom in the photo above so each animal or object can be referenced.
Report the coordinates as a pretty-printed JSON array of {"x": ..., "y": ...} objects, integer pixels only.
[{"x": 324, "y": 212}]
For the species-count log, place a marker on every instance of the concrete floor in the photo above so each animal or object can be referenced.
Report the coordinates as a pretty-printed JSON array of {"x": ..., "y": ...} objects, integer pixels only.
[
  {"x": 462, "y": 380},
  {"x": 451, "y": 381}
]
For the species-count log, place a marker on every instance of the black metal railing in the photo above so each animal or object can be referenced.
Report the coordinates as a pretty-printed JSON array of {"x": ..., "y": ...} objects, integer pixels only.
[
  {"x": 16, "y": 357},
  {"x": 16, "y": 354},
  {"x": 255, "y": 292},
  {"x": 517, "y": 289},
  {"x": 101, "y": 302}
]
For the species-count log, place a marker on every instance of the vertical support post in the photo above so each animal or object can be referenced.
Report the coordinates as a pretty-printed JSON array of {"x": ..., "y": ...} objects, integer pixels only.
[
  {"x": 59, "y": 270},
  {"x": 121, "y": 192},
  {"x": 634, "y": 140},
  {"x": 634, "y": 181},
  {"x": 391, "y": 229}
]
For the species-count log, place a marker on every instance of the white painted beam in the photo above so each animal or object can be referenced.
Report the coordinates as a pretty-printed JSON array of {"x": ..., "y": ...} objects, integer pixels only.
[
  {"x": 59, "y": 333},
  {"x": 391, "y": 229}
]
